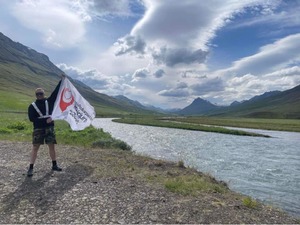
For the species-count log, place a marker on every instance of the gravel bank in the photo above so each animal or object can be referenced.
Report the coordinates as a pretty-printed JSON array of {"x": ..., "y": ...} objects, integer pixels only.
[{"x": 110, "y": 186}]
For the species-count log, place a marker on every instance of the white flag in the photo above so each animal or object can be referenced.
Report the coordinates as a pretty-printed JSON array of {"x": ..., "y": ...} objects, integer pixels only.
[{"x": 72, "y": 107}]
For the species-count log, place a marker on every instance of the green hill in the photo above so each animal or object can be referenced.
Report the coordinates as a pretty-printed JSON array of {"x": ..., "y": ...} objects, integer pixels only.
[
  {"x": 23, "y": 69},
  {"x": 271, "y": 105},
  {"x": 285, "y": 104}
]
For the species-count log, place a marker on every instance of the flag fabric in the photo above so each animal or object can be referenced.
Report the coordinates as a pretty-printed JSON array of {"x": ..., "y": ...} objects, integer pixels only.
[{"x": 72, "y": 107}]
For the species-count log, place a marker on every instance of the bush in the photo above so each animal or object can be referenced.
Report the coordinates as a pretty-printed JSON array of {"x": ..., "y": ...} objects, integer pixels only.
[
  {"x": 111, "y": 143},
  {"x": 249, "y": 202},
  {"x": 18, "y": 126},
  {"x": 192, "y": 185}
]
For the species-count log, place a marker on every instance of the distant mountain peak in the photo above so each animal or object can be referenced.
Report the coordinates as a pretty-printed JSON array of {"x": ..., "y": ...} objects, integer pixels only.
[{"x": 198, "y": 106}]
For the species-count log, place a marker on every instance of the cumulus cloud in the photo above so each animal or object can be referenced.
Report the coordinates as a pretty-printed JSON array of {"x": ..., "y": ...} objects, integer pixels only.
[
  {"x": 159, "y": 73},
  {"x": 92, "y": 78},
  {"x": 171, "y": 57},
  {"x": 181, "y": 90},
  {"x": 246, "y": 86},
  {"x": 105, "y": 8},
  {"x": 208, "y": 85},
  {"x": 130, "y": 44},
  {"x": 174, "y": 93},
  {"x": 140, "y": 73}
]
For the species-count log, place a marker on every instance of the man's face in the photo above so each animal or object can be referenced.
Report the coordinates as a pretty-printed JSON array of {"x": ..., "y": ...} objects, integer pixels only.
[{"x": 40, "y": 94}]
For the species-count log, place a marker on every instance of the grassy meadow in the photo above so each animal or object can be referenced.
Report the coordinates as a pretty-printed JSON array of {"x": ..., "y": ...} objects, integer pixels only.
[
  {"x": 169, "y": 123},
  {"x": 17, "y": 127},
  {"x": 212, "y": 124},
  {"x": 255, "y": 123}
]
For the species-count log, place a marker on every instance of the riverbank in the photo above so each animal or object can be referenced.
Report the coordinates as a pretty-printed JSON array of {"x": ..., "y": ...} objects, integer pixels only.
[
  {"x": 215, "y": 124},
  {"x": 168, "y": 123},
  {"x": 115, "y": 186}
]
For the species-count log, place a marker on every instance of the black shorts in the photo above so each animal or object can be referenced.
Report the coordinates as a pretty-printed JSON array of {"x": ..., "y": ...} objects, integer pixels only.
[{"x": 41, "y": 135}]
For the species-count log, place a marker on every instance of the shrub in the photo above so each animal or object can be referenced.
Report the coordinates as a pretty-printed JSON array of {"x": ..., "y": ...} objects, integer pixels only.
[
  {"x": 180, "y": 164},
  {"x": 18, "y": 125},
  {"x": 111, "y": 143},
  {"x": 192, "y": 185},
  {"x": 249, "y": 202}
]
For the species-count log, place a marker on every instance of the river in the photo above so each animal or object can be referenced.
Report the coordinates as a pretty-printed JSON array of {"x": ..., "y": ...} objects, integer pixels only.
[{"x": 267, "y": 169}]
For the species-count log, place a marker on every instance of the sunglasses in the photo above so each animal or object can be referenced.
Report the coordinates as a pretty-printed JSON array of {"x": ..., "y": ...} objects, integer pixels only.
[{"x": 39, "y": 93}]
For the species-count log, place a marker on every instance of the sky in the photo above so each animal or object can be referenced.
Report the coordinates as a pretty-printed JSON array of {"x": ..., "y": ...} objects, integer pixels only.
[{"x": 165, "y": 53}]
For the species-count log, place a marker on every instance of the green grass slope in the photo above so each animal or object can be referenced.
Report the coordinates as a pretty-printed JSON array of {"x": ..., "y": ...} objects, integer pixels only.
[
  {"x": 284, "y": 105},
  {"x": 22, "y": 70}
]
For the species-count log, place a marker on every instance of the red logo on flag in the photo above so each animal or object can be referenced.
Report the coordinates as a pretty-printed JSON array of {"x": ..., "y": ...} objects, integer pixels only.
[{"x": 66, "y": 99}]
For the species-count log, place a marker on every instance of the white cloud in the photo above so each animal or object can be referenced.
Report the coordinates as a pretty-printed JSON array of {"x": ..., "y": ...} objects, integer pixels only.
[
  {"x": 172, "y": 57},
  {"x": 91, "y": 77},
  {"x": 130, "y": 44},
  {"x": 271, "y": 57},
  {"x": 140, "y": 73},
  {"x": 180, "y": 33},
  {"x": 53, "y": 19},
  {"x": 106, "y": 8}
]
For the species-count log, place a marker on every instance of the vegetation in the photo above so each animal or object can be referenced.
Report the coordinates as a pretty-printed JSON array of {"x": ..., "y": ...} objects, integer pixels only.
[
  {"x": 17, "y": 127},
  {"x": 193, "y": 185},
  {"x": 249, "y": 202},
  {"x": 161, "y": 122},
  {"x": 255, "y": 123}
]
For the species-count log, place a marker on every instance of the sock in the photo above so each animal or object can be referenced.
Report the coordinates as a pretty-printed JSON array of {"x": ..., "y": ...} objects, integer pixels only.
[
  {"x": 54, "y": 163},
  {"x": 30, "y": 166}
]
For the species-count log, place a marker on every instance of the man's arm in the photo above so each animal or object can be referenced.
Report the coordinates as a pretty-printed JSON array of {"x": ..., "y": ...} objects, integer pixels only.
[{"x": 32, "y": 114}]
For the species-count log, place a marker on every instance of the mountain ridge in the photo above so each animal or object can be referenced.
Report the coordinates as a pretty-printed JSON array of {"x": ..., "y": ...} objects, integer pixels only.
[{"x": 273, "y": 104}]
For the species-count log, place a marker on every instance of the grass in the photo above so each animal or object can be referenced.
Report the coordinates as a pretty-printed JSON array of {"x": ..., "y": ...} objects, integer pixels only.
[
  {"x": 159, "y": 122},
  {"x": 17, "y": 127},
  {"x": 249, "y": 202},
  {"x": 255, "y": 123},
  {"x": 192, "y": 185}
]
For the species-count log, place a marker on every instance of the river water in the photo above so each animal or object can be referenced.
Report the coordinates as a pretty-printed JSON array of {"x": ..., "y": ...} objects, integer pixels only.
[{"x": 267, "y": 169}]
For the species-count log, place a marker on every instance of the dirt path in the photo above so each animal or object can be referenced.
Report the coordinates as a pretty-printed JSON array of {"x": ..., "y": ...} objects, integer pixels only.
[{"x": 108, "y": 186}]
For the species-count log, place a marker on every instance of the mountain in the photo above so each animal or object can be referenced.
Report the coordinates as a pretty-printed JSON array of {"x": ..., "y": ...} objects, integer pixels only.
[
  {"x": 235, "y": 103},
  {"x": 23, "y": 69},
  {"x": 264, "y": 95},
  {"x": 275, "y": 104},
  {"x": 198, "y": 107},
  {"x": 129, "y": 101}
]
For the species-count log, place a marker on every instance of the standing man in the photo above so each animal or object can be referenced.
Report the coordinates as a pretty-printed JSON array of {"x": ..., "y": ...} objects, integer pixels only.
[{"x": 39, "y": 113}]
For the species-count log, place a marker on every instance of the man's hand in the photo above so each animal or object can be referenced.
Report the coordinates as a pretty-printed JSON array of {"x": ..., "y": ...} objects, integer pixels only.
[{"x": 49, "y": 120}]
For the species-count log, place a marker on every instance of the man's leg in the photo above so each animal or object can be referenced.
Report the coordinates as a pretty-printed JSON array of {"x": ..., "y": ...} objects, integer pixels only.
[
  {"x": 34, "y": 151},
  {"x": 52, "y": 154},
  {"x": 33, "y": 156}
]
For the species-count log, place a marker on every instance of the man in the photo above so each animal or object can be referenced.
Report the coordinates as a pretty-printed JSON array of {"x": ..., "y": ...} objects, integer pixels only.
[{"x": 39, "y": 113}]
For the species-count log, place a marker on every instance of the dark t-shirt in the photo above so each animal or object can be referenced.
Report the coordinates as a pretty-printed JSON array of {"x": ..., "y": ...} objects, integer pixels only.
[{"x": 33, "y": 114}]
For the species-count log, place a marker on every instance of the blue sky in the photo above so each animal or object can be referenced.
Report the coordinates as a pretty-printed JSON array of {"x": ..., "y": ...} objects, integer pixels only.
[{"x": 164, "y": 52}]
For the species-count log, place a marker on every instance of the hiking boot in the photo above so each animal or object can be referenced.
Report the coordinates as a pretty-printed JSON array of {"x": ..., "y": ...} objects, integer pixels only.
[
  {"x": 56, "y": 168},
  {"x": 30, "y": 173}
]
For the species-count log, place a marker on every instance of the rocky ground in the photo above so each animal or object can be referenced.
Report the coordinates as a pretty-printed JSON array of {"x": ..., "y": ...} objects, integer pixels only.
[{"x": 110, "y": 186}]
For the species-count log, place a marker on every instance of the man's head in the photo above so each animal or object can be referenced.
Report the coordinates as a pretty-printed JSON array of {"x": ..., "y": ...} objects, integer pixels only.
[{"x": 39, "y": 93}]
